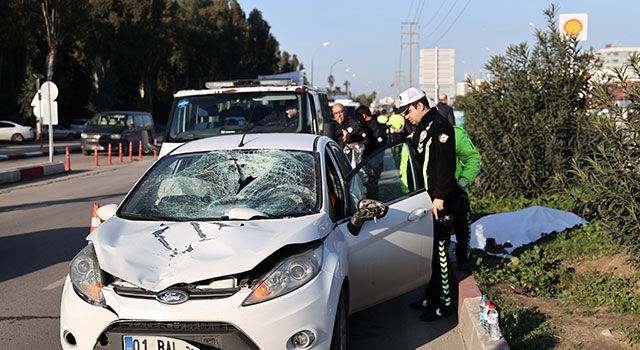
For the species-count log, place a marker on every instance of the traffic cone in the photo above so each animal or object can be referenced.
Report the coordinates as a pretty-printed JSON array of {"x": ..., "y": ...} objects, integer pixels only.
[{"x": 95, "y": 220}]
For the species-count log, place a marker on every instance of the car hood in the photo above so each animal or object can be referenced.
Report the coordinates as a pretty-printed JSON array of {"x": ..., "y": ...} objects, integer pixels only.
[{"x": 156, "y": 255}]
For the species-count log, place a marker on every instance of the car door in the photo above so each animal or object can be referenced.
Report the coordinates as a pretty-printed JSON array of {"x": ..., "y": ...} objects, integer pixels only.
[{"x": 391, "y": 255}]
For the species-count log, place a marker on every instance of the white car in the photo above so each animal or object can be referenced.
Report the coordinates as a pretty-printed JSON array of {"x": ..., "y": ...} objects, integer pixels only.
[
  {"x": 14, "y": 132},
  {"x": 256, "y": 241}
]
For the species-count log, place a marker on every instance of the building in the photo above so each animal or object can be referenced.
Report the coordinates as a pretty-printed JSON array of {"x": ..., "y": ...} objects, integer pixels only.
[
  {"x": 436, "y": 72},
  {"x": 615, "y": 57}
]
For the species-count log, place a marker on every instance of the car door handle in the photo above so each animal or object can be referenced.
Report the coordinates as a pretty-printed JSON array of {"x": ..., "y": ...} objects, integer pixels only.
[{"x": 417, "y": 214}]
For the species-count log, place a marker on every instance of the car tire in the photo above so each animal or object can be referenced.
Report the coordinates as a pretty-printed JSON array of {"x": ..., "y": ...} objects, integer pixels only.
[
  {"x": 86, "y": 153},
  {"x": 17, "y": 138},
  {"x": 340, "y": 336}
]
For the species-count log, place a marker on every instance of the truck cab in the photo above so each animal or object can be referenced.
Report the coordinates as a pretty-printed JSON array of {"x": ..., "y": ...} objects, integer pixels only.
[{"x": 246, "y": 107}]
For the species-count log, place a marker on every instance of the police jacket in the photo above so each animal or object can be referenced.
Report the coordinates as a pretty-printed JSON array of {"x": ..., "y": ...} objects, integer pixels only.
[
  {"x": 434, "y": 142},
  {"x": 356, "y": 132}
]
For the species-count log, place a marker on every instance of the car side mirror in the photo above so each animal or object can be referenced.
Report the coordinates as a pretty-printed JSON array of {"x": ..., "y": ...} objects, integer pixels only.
[
  {"x": 147, "y": 142},
  {"x": 329, "y": 129},
  {"x": 368, "y": 209},
  {"x": 107, "y": 211}
]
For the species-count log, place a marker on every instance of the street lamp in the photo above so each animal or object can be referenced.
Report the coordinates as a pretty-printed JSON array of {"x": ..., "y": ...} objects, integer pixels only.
[
  {"x": 313, "y": 57},
  {"x": 331, "y": 79}
]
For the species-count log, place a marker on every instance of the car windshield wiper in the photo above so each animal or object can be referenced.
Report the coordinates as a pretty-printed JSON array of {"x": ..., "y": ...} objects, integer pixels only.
[{"x": 127, "y": 215}]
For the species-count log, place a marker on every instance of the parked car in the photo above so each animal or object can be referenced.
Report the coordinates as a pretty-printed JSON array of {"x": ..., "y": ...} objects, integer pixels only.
[
  {"x": 14, "y": 132},
  {"x": 59, "y": 132},
  {"x": 244, "y": 241},
  {"x": 78, "y": 124},
  {"x": 115, "y": 128}
]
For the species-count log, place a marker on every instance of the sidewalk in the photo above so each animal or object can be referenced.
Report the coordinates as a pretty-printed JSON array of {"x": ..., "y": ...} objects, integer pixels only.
[{"x": 9, "y": 174}]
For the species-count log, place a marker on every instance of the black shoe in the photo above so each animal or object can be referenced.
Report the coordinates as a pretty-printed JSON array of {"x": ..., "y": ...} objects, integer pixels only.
[
  {"x": 419, "y": 305},
  {"x": 435, "y": 313}
]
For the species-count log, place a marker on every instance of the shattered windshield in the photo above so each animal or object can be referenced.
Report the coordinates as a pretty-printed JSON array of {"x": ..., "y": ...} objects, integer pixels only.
[{"x": 227, "y": 184}]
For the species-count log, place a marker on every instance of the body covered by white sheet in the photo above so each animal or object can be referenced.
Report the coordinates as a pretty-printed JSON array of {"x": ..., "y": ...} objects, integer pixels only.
[{"x": 521, "y": 227}]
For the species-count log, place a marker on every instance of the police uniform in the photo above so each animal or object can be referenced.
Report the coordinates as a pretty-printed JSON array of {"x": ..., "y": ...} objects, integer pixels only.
[{"x": 434, "y": 141}]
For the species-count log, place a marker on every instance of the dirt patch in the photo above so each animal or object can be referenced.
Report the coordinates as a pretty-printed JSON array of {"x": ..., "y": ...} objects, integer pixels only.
[{"x": 579, "y": 327}]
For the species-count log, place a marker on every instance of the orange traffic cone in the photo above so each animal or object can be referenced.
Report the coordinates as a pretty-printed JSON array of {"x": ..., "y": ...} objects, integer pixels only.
[{"x": 95, "y": 220}]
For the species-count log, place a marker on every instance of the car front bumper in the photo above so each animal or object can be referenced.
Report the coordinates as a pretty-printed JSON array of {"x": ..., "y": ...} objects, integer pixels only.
[{"x": 213, "y": 323}]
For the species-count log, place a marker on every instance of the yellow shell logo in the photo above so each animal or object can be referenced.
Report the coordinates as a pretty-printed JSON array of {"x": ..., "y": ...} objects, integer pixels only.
[{"x": 573, "y": 27}]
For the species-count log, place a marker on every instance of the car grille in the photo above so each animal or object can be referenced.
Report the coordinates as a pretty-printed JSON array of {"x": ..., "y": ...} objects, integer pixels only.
[
  {"x": 204, "y": 335},
  {"x": 194, "y": 293}
]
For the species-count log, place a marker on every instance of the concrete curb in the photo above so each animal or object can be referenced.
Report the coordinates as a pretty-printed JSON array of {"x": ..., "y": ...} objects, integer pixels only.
[
  {"x": 31, "y": 172},
  {"x": 73, "y": 149},
  {"x": 469, "y": 296}
]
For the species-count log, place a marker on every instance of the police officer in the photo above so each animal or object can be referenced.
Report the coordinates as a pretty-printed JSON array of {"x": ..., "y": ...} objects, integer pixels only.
[
  {"x": 377, "y": 132},
  {"x": 434, "y": 143}
]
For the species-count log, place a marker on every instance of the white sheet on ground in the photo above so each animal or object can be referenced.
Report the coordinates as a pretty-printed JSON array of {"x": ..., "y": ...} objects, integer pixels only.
[{"x": 521, "y": 227}]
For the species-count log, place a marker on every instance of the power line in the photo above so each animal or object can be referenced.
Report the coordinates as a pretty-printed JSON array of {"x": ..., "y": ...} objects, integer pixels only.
[
  {"x": 436, "y": 15},
  {"x": 452, "y": 23}
]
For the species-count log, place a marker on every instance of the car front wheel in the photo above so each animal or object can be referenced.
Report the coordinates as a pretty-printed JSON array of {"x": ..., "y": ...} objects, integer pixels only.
[{"x": 340, "y": 337}]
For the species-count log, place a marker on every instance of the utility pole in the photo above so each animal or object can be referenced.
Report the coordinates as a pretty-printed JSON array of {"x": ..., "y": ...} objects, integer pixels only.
[{"x": 410, "y": 43}]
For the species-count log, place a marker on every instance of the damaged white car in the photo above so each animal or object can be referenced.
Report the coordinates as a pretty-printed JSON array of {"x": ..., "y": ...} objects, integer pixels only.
[{"x": 258, "y": 241}]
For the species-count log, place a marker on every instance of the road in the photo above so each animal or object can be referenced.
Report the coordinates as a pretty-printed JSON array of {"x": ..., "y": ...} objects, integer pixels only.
[{"x": 44, "y": 222}]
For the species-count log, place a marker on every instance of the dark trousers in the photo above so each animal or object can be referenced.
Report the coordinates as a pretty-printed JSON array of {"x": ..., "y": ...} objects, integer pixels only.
[
  {"x": 439, "y": 290},
  {"x": 462, "y": 225}
]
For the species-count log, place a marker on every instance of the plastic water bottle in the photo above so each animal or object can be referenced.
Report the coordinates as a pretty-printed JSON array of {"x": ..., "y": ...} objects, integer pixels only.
[
  {"x": 483, "y": 300},
  {"x": 493, "y": 323}
]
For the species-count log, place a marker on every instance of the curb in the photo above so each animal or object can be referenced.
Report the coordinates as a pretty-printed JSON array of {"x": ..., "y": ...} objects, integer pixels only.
[
  {"x": 469, "y": 296},
  {"x": 31, "y": 172},
  {"x": 73, "y": 149}
]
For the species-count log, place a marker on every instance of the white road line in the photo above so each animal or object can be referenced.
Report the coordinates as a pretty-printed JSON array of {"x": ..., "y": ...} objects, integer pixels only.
[{"x": 56, "y": 284}]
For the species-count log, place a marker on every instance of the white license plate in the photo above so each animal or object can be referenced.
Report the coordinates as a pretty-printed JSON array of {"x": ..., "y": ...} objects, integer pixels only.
[{"x": 155, "y": 343}]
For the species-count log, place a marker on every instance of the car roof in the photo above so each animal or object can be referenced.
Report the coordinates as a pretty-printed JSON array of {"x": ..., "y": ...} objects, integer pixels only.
[
  {"x": 122, "y": 112},
  {"x": 245, "y": 86},
  {"x": 302, "y": 142}
]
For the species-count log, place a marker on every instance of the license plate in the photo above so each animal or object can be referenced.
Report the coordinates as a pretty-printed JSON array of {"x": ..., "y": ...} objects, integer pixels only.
[{"x": 155, "y": 343}]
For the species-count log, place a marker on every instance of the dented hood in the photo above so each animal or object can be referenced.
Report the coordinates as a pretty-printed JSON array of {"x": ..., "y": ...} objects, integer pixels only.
[{"x": 155, "y": 255}]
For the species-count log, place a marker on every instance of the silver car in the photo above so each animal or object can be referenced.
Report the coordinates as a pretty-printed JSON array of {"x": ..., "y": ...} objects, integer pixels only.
[{"x": 14, "y": 132}]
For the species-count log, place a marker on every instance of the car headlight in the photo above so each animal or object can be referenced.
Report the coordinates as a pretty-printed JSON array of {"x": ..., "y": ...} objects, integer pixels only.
[
  {"x": 86, "y": 276},
  {"x": 84, "y": 135},
  {"x": 289, "y": 275},
  {"x": 116, "y": 136}
]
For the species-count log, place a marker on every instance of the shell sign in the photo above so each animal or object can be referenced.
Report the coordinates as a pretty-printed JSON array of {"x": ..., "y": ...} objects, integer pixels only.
[{"x": 574, "y": 24}]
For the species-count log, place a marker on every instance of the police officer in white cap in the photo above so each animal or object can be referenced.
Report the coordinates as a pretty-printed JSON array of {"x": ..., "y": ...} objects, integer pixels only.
[{"x": 434, "y": 142}]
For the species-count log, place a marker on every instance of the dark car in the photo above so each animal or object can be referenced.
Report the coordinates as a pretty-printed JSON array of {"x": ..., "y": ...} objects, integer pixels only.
[
  {"x": 115, "y": 128},
  {"x": 78, "y": 124}
]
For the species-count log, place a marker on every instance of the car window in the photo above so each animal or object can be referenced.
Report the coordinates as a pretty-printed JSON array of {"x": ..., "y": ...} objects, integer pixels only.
[
  {"x": 335, "y": 190},
  {"x": 217, "y": 114},
  {"x": 209, "y": 186},
  {"x": 341, "y": 159},
  {"x": 387, "y": 175}
]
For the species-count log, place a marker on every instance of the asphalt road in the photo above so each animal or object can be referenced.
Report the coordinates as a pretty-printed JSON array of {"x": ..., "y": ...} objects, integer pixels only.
[{"x": 44, "y": 222}]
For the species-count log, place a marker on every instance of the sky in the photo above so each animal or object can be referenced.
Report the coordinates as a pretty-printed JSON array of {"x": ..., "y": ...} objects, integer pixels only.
[{"x": 368, "y": 39}]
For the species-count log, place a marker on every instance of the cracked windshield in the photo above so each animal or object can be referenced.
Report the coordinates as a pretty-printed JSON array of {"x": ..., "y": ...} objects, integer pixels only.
[{"x": 227, "y": 184}]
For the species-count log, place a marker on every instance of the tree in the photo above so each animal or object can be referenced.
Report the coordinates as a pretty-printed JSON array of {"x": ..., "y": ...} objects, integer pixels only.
[
  {"x": 528, "y": 121},
  {"x": 609, "y": 175},
  {"x": 260, "y": 58}
]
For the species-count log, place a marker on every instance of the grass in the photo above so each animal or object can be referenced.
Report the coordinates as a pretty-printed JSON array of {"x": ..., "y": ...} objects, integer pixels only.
[{"x": 543, "y": 269}]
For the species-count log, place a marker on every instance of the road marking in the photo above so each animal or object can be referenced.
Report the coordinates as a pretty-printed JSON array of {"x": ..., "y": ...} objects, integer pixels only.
[{"x": 56, "y": 284}]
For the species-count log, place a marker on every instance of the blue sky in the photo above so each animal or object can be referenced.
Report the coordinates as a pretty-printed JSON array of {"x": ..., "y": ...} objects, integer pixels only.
[{"x": 367, "y": 35}]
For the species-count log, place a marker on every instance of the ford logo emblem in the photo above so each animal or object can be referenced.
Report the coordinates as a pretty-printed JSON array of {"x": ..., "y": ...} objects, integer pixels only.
[{"x": 172, "y": 296}]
